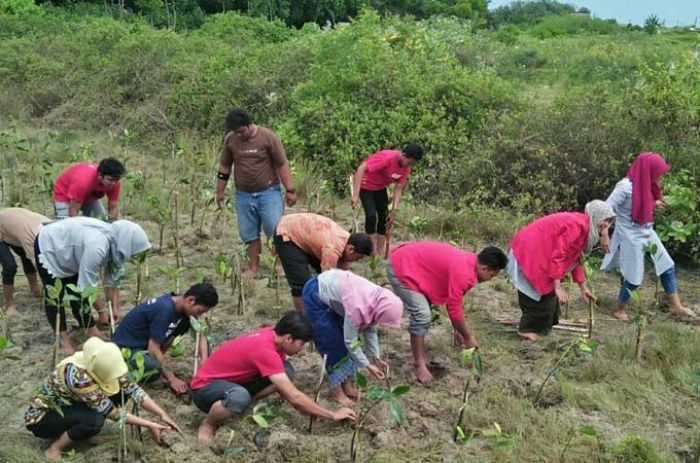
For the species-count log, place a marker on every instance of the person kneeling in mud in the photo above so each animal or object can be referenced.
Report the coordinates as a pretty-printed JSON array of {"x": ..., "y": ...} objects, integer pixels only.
[
  {"x": 543, "y": 252},
  {"x": 153, "y": 325},
  {"x": 341, "y": 305},
  {"x": 71, "y": 404},
  {"x": 430, "y": 272},
  {"x": 253, "y": 366}
]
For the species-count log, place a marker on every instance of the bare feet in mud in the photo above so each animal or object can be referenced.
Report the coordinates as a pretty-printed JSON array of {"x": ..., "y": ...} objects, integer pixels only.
[
  {"x": 11, "y": 310},
  {"x": 339, "y": 396},
  {"x": 423, "y": 375},
  {"x": 622, "y": 315},
  {"x": 205, "y": 433}
]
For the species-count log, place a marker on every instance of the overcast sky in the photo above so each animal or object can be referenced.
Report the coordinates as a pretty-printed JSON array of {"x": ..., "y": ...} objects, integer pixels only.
[{"x": 673, "y": 12}]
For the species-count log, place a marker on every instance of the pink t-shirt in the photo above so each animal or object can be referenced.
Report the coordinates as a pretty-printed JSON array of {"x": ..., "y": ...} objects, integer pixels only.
[
  {"x": 442, "y": 273},
  {"x": 242, "y": 360},
  {"x": 383, "y": 169},
  {"x": 79, "y": 183}
]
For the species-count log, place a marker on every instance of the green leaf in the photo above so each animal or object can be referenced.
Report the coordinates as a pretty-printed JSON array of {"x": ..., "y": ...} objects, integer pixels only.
[
  {"x": 478, "y": 365},
  {"x": 195, "y": 324},
  {"x": 361, "y": 380},
  {"x": 468, "y": 354},
  {"x": 262, "y": 422},
  {"x": 395, "y": 411},
  {"x": 3, "y": 342},
  {"x": 588, "y": 430},
  {"x": 400, "y": 390}
]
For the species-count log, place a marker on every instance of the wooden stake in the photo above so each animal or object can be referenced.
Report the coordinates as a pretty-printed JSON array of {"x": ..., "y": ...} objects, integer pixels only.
[
  {"x": 197, "y": 339},
  {"x": 318, "y": 389}
]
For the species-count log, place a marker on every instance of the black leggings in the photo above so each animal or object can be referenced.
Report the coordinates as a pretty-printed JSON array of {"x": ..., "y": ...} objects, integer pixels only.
[
  {"x": 85, "y": 319},
  {"x": 9, "y": 265},
  {"x": 79, "y": 421},
  {"x": 376, "y": 206}
]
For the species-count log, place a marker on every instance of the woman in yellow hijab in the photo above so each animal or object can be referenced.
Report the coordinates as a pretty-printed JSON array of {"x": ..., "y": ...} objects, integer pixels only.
[{"x": 71, "y": 404}]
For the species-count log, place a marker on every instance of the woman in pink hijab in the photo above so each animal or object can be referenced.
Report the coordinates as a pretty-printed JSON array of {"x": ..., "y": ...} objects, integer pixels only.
[
  {"x": 634, "y": 199},
  {"x": 341, "y": 305}
]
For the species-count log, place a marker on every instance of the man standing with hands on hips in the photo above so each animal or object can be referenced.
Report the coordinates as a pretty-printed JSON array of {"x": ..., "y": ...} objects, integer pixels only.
[{"x": 260, "y": 166}]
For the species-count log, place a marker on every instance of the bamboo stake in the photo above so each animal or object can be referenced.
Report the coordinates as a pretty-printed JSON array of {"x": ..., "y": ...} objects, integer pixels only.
[
  {"x": 197, "y": 340},
  {"x": 321, "y": 375},
  {"x": 111, "y": 317}
]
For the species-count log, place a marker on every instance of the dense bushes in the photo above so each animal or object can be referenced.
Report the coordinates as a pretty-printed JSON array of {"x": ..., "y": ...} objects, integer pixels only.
[{"x": 507, "y": 119}]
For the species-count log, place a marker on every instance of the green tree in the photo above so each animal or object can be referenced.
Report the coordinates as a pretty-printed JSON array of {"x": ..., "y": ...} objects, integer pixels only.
[{"x": 652, "y": 24}]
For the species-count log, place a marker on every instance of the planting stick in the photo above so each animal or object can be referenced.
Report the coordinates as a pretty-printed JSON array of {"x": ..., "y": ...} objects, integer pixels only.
[
  {"x": 388, "y": 241},
  {"x": 640, "y": 337},
  {"x": 111, "y": 317},
  {"x": 590, "y": 317},
  {"x": 318, "y": 389},
  {"x": 355, "y": 225},
  {"x": 57, "y": 346},
  {"x": 197, "y": 338}
]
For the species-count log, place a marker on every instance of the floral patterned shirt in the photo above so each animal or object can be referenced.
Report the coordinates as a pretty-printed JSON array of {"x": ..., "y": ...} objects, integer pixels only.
[{"x": 69, "y": 384}]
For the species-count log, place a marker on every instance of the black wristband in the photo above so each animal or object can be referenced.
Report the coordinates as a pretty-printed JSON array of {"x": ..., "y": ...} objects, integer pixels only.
[
  {"x": 292, "y": 190},
  {"x": 223, "y": 176}
]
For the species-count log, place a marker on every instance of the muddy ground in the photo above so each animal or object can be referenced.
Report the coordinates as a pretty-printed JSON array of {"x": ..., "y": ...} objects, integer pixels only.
[{"x": 655, "y": 400}]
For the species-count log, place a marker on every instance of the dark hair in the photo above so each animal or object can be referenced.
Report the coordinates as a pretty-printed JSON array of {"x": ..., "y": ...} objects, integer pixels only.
[
  {"x": 493, "y": 258},
  {"x": 237, "y": 118},
  {"x": 413, "y": 150},
  {"x": 295, "y": 324},
  {"x": 362, "y": 243},
  {"x": 111, "y": 167},
  {"x": 204, "y": 294}
]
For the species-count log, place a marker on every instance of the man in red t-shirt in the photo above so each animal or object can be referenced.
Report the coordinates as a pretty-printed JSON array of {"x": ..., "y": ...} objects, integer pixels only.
[
  {"x": 253, "y": 366},
  {"x": 81, "y": 186},
  {"x": 370, "y": 184}
]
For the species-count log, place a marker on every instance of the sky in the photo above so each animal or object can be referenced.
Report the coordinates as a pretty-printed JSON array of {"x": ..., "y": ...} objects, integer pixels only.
[{"x": 672, "y": 12}]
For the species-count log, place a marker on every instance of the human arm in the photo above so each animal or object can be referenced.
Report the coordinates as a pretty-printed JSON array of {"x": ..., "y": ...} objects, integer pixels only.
[
  {"x": 150, "y": 405},
  {"x": 113, "y": 209},
  {"x": 74, "y": 208},
  {"x": 303, "y": 403},
  {"x": 351, "y": 338},
  {"x": 156, "y": 350},
  {"x": 467, "y": 339},
  {"x": 357, "y": 184},
  {"x": 285, "y": 174},
  {"x": 395, "y": 200},
  {"x": 225, "y": 163}
]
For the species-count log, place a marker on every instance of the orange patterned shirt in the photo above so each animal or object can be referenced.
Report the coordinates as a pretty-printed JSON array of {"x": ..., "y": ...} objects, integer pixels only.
[{"x": 316, "y": 235}]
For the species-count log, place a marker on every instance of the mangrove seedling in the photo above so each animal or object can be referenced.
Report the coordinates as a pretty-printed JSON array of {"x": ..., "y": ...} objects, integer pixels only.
[
  {"x": 176, "y": 230},
  {"x": 53, "y": 296},
  {"x": 639, "y": 319},
  {"x": 222, "y": 267},
  {"x": 135, "y": 361},
  {"x": 468, "y": 355},
  {"x": 587, "y": 430},
  {"x": 650, "y": 250},
  {"x": 263, "y": 414},
  {"x": 140, "y": 259},
  {"x": 580, "y": 344},
  {"x": 87, "y": 297},
  {"x": 6, "y": 338},
  {"x": 589, "y": 271},
  {"x": 174, "y": 273},
  {"x": 199, "y": 330},
  {"x": 374, "y": 395}
]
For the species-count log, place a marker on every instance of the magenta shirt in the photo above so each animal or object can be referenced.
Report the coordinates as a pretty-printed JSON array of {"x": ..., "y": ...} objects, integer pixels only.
[
  {"x": 383, "y": 169},
  {"x": 79, "y": 183},
  {"x": 439, "y": 271}
]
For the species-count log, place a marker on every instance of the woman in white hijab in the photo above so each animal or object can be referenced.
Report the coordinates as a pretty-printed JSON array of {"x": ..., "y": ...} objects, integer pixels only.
[{"x": 76, "y": 250}]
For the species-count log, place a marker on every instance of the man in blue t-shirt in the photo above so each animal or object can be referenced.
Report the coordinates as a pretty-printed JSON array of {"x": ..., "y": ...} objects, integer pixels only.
[{"x": 153, "y": 325}]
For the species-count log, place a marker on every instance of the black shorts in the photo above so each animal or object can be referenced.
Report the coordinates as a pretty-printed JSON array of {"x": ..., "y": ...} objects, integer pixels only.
[
  {"x": 538, "y": 316},
  {"x": 296, "y": 263}
]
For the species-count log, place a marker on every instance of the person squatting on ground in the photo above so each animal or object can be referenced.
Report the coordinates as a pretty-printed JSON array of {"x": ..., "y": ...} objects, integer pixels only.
[
  {"x": 153, "y": 325},
  {"x": 76, "y": 250},
  {"x": 260, "y": 163},
  {"x": 253, "y": 366},
  {"x": 18, "y": 230},
  {"x": 341, "y": 305},
  {"x": 370, "y": 184},
  {"x": 634, "y": 200},
  {"x": 544, "y": 252},
  {"x": 310, "y": 240},
  {"x": 81, "y": 186},
  {"x": 430, "y": 272},
  {"x": 87, "y": 387}
]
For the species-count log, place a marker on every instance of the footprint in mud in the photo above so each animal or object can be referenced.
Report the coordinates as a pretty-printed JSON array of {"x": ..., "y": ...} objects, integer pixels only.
[
  {"x": 529, "y": 350},
  {"x": 438, "y": 369}
]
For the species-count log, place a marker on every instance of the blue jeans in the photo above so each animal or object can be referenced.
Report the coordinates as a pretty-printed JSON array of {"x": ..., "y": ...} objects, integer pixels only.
[
  {"x": 260, "y": 208},
  {"x": 668, "y": 281}
]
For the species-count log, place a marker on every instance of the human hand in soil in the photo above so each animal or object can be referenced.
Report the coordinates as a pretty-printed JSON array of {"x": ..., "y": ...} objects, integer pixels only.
[
  {"x": 156, "y": 429},
  {"x": 220, "y": 196},
  {"x": 384, "y": 366},
  {"x": 344, "y": 414},
  {"x": 561, "y": 295},
  {"x": 170, "y": 422},
  {"x": 178, "y": 385},
  {"x": 376, "y": 371}
]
